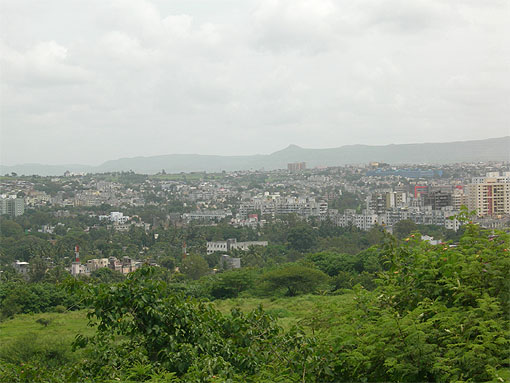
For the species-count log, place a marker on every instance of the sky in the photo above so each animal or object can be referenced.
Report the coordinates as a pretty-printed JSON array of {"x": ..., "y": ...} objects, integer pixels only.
[{"x": 85, "y": 81}]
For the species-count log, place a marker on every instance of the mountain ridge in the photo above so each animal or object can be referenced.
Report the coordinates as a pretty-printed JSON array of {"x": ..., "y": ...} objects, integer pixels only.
[{"x": 492, "y": 149}]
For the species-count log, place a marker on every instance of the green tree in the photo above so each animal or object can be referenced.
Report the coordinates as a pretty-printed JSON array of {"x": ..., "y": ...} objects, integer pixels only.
[
  {"x": 439, "y": 313},
  {"x": 139, "y": 324},
  {"x": 106, "y": 275},
  {"x": 302, "y": 238},
  {"x": 194, "y": 266},
  {"x": 10, "y": 228},
  {"x": 295, "y": 279},
  {"x": 404, "y": 228},
  {"x": 229, "y": 284},
  {"x": 38, "y": 269}
]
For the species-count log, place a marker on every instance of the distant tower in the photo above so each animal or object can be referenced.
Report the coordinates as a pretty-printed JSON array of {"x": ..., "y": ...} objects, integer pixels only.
[{"x": 76, "y": 265}]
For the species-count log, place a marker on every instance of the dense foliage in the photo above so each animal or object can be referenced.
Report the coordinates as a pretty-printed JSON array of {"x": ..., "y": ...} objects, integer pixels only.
[
  {"x": 140, "y": 324},
  {"x": 419, "y": 313},
  {"x": 439, "y": 313}
]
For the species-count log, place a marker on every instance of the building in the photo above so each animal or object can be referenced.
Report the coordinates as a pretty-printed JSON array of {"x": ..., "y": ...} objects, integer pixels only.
[
  {"x": 275, "y": 205},
  {"x": 95, "y": 264},
  {"x": 438, "y": 198},
  {"x": 232, "y": 244},
  {"x": 365, "y": 221},
  {"x": 396, "y": 199},
  {"x": 12, "y": 206},
  {"x": 21, "y": 267},
  {"x": 296, "y": 166},
  {"x": 459, "y": 199},
  {"x": 489, "y": 196},
  {"x": 227, "y": 262},
  {"x": 207, "y": 215},
  {"x": 116, "y": 217}
]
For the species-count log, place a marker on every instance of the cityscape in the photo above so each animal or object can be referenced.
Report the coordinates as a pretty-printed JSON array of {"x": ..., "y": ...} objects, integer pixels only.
[
  {"x": 363, "y": 196},
  {"x": 259, "y": 191}
]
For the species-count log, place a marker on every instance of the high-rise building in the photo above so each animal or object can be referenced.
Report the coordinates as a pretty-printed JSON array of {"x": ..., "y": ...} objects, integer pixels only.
[
  {"x": 12, "y": 206},
  {"x": 296, "y": 166},
  {"x": 489, "y": 196},
  {"x": 459, "y": 199},
  {"x": 438, "y": 198}
]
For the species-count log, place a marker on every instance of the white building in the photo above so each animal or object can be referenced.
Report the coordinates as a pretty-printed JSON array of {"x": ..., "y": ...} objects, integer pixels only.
[
  {"x": 232, "y": 244},
  {"x": 12, "y": 205},
  {"x": 115, "y": 217},
  {"x": 21, "y": 267}
]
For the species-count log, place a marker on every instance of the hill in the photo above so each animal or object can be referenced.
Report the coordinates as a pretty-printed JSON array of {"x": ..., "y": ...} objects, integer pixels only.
[{"x": 493, "y": 149}]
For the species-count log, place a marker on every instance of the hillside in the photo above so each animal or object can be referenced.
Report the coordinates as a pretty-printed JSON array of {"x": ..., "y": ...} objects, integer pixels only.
[{"x": 493, "y": 149}]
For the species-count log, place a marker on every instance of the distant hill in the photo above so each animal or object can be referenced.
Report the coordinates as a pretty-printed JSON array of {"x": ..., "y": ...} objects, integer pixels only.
[{"x": 493, "y": 149}]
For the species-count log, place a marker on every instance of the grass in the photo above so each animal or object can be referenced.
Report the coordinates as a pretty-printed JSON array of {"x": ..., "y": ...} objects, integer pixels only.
[
  {"x": 304, "y": 310},
  {"x": 62, "y": 325},
  {"x": 65, "y": 326},
  {"x": 43, "y": 337},
  {"x": 48, "y": 337}
]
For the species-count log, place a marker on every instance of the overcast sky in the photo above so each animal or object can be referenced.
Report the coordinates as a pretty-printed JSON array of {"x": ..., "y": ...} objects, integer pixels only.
[{"x": 84, "y": 81}]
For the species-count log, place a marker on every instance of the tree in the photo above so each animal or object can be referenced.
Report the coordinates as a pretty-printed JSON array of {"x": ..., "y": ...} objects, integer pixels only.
[
  {"x": 404, "y": 228},
  {"x": 38, "y": 269},
  {"x": 439, "y": 313},
  {"x": 106, "y": 275},
  {"x": 168, "y": 262},
  {"x": 10, "y": 228},
  {"x": 302, "y": 238},
  {"x": 295, "y": 278},
  {"x": 194, "y": 266},
  {"x": 139, "y": 324},
  {"x": 229, "y": 284}
]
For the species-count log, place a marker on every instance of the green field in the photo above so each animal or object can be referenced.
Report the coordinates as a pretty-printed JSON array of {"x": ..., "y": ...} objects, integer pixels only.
[
  {"x": 310, "y": 311},
  {"x": 63, "y": 326},
  {"x": 302, "y": 310},
  {"x": 24, "y": 339}
]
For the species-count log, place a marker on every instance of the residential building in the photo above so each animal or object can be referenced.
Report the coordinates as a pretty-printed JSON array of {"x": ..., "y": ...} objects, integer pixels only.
[
  {"x": 232, "y": 244},
  {"x": 490, "y": 195},
  {"x": 12, "y": 206},
  {"x": 296, "y": 166}
]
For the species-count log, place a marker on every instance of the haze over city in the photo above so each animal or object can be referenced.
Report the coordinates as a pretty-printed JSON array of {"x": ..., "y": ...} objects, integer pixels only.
[{"x": 90, "y": 81}]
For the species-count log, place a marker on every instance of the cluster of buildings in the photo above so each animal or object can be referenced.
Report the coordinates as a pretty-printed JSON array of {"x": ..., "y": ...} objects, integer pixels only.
[
  {"x": 124, "y": 266},
  {"x": 387, "y": 194},
  {"x": 275, "y": 204},
  {"x": 207, "y": 215},
  {"x": 428, "y": 203}
]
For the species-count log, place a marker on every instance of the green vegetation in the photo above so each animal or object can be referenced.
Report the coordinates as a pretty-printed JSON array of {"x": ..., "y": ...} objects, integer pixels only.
[{"x": 320, "y": 304}]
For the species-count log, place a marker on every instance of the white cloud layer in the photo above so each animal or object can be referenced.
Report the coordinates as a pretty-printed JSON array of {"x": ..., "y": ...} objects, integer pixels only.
[{"x": 87, "y": 81}]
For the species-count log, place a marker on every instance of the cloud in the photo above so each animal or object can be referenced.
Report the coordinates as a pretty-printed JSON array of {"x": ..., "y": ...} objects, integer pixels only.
[
  {"x": 44, "y": 65},
  {"x": 295, "y": 25},
  {"x": 138, "y": 77}
]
